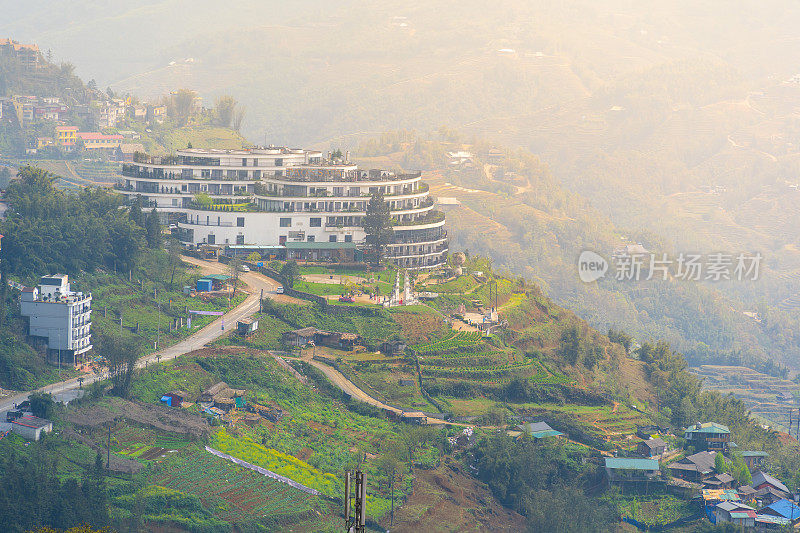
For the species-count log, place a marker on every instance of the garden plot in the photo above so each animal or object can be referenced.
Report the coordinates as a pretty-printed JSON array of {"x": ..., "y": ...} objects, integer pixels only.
[
  {"x": 236, "y": 493},
  {"x": 454, "y": 341}
]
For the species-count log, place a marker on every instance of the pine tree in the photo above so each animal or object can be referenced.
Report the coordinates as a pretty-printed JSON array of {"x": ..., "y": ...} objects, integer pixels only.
[
  {"x": 136, "y": 211},
  {"x": 94, "y": 489},
  {"x": 153, "y": 230},
  {"x": 719, "y": 463},
  {"x": 377, "y": 224},
  {"x": 290, "y": 271}
]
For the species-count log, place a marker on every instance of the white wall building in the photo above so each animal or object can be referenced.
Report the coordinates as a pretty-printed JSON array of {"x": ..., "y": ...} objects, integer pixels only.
[
  {"x": 288, "y": 203},
  {"x": 60, "y": 317},
  {"x": 31, "y": 427}
]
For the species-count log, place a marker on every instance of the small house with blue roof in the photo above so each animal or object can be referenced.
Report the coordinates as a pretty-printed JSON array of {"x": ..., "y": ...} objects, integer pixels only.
[{"x": 783, "y": 509}]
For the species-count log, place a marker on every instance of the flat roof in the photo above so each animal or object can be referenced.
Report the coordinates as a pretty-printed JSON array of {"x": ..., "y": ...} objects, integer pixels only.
[
  {"x": 32, "y": 422},
  {"x": 320, "y": 245},
  {"x": 708, "y": 427},
  {"x": 217, "y": 277},
  {"x": 546, "y": 433},
  {"x": 91, "y": 135},
  {"x": 751, "y": 453},
  {"x": 625, "y": 463},
  {"x": 255, "y": 247}
]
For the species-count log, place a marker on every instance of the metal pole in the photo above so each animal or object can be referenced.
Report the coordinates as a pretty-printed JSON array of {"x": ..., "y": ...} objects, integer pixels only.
[
  {"x": 391, "y": 520},
  {"x": 347, "y": 498},
  {"x": 362, "y": 518},
  {"x": 158, "y": 334},
  {"x": 108, "y": 449}
]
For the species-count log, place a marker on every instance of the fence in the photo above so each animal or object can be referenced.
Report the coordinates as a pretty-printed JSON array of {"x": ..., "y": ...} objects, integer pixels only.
[{"x": 263, "y": 471}]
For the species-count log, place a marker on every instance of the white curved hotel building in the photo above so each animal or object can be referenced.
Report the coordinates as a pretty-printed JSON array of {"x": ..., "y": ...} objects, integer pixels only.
[{"x": 286, "y": 203}]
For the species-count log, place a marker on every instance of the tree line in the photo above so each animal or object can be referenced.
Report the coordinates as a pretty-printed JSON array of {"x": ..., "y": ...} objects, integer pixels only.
[
  {"x": 545, "y": 483},
  {"x": 33, "y": 496},
  {"x": 50, "y": 230}
]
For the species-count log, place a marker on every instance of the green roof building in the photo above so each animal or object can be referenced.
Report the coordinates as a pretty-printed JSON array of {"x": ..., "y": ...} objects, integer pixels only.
[
  {"x": 709, "y": 436},
  {"x": 620, "y": 469}
]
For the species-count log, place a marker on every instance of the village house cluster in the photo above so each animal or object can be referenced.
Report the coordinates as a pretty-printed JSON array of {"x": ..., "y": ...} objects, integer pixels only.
[
  {"x": 764, "y": 504},
  {"x": 68, "y": 122}
]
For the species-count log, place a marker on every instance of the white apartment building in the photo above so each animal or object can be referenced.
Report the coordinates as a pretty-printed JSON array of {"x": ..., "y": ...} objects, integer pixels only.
[
  {"x": 59, "y": 317},
  {"x": 286, "y": 203}
]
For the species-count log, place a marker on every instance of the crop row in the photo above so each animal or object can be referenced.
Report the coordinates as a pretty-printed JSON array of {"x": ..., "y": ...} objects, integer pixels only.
[
  {"x": 467, "y": 354},
  {"x": 473, "y": 361},
  {"x": 463, "y": 339},
  {"x": 286, "y": 465},
  {"x": 247, "y": 494},
  {"x": 452, "y": 337},
  {"x": 476, "y": 372}
]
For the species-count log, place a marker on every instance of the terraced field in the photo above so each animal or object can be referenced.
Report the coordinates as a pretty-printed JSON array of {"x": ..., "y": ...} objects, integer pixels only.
[
  {"x": 454, "y": 341},
  {"x": 758, "y": 391},
  {"x": 235, "y": 493},
  {"x": 464, "y": 355}
]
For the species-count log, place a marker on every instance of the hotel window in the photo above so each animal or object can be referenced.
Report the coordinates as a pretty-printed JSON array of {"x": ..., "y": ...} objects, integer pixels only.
[
  {"x": 332, "y": 238},
  {"x": 286, "y": 222},
  {"x": 348, "y": 238},
  {"x": 240, "y": 222},
  {"x": 315, "y": 222},
  {"x": 240, "y": 239},
  {"x": 310, "y": 238}
]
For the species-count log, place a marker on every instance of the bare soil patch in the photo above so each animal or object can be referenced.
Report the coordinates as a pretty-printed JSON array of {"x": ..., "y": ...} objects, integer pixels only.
[
  {"x": 450, "y": 499},
  {"x": 418, "y": 328},
  {"x": 156, "y": 416},
  {"x": 153, "y": 453}
]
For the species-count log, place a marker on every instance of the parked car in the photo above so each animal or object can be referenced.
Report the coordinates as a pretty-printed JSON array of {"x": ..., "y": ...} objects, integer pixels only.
[
  {"x": 347, "y": 299},
  {"x": 279, "y": 290},
  {"x": 244, "y": 268}
]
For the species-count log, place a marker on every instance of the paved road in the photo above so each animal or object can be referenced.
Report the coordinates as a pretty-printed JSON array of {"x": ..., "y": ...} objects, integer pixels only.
[{"x": 255, "y": 282}]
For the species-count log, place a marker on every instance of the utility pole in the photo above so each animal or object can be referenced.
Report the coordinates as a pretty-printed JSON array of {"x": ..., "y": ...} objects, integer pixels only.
[
  {"x": 794, "y": 422},
  {"x": 357, "y": 522},
  {"x": 391, "y": 519},
  {"x": 158, "y": 327}
]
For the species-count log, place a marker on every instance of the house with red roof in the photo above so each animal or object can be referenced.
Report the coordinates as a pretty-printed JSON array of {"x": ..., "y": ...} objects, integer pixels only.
[
  {"x": 31, "y": 427},
  {"x": 93, "y": 140}
]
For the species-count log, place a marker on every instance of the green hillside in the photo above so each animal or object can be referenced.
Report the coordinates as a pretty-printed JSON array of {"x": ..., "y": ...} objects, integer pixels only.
[{"x": 673, "y": 131}]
